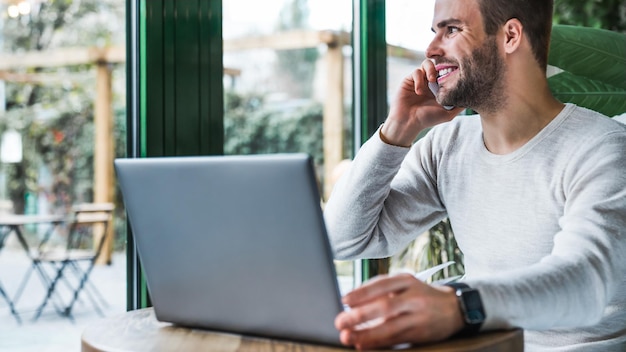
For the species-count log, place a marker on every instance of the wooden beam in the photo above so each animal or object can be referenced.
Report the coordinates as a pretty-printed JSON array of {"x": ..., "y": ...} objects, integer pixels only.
[
  {"x": 104, "y": 153},
  {"x": 281, "y": 41},
  {"x": 50, "y": 78},
  {"x": 333, "y": 127},
  {"x": 301, "y": 39},
  {"x": 62, "y": 57},
  {"x": 44, "y": 78},
  {"x": 233, "y": 72}
]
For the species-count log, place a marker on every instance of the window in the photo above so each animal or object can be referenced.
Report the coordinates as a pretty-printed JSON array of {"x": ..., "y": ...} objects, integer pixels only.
[
  {"x": 287, "y": 84},
  {"x": 62, "y": 120}
]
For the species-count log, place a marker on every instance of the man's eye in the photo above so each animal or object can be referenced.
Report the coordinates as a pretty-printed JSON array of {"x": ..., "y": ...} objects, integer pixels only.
[{"x": 452, "y": 29}]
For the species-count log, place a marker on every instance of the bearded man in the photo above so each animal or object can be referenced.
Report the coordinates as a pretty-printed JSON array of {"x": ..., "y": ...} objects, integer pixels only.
[{"x": 535, "y": 191}]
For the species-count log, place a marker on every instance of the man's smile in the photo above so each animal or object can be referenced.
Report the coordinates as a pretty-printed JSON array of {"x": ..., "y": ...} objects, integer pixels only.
[{"x": 444, "y": 71}]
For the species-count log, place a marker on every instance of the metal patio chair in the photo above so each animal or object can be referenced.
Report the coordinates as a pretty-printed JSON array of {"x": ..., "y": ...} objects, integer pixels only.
[{"x": 73, "y": 264}]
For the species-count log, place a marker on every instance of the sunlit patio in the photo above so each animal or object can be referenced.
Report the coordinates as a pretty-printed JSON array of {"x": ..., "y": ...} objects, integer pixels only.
[{"x": 53, "y": 332}]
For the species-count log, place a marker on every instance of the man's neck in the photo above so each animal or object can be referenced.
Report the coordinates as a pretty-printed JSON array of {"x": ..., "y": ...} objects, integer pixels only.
[{"x": 528, "y": 109}]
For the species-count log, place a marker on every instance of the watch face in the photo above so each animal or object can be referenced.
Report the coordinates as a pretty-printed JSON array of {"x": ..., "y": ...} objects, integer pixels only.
[
  {"x": 475, "y": 317},
  {"x": 473, "y": 306}
]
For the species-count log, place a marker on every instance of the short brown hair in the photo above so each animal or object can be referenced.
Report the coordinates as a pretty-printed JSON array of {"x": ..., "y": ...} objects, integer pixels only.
[{"x": 535, "y": 16}]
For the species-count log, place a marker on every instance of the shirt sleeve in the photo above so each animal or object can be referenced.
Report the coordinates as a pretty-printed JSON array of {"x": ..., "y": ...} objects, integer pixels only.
[
  {"x": 578, "y": 284},
  {"x": 385, "y": 200}
]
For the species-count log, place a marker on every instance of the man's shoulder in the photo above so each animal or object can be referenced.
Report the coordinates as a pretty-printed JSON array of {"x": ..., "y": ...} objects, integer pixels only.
[
  {"x": 620, "y": 118},
  {"x": 593, "y": 122},
  {"x": 588, "y": 135},
  {"x": 456, "y": 134}
]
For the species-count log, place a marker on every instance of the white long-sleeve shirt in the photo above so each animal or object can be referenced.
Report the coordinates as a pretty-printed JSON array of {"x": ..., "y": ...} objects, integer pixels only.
[{"x": 542, "y": 229}]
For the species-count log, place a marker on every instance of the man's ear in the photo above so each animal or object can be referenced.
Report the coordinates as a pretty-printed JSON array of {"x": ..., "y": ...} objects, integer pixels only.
[{"x": 513, "y": 34}]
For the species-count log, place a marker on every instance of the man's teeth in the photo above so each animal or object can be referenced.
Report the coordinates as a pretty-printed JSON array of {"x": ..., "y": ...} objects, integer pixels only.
[{"x": 445, "y": 71}]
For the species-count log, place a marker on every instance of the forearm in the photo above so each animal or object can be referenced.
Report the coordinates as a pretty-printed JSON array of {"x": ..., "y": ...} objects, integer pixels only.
[
  {"x": 553, "y": 294},
  {"x": 353, "y": 210},
  {"x": 385, "y": 200}
]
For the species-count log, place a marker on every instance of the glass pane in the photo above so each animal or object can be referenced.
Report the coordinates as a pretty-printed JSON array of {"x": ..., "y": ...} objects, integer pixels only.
[
  {"x": 288, "y": 83},
  {"x": 408, "y": 32},
  {"x": 62, "y": 120}
]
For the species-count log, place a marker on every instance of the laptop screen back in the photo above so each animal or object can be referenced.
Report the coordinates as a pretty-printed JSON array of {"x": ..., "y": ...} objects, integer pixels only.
[{"x": 234, "y": 243}]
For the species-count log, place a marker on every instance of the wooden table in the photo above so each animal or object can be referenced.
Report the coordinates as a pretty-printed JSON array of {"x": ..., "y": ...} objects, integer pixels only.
[
  {"x": 140, "y": 331},
  {"x": 12, "y": 223}
]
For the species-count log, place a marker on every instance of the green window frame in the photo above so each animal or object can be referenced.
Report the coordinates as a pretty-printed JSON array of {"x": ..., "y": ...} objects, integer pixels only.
[{"x": 175, "y": 90}]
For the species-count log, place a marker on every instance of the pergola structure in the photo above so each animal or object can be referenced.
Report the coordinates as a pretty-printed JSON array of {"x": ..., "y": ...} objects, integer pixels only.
[{"x": 103, "y": 58}]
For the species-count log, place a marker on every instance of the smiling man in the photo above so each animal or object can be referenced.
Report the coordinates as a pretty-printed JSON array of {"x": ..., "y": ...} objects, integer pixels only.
[{"x": 535, "y": 191}]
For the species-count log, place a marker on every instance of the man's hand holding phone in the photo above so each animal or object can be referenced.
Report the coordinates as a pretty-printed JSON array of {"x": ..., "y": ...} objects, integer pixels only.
[
  {"x": 434, "y": 88},
  {"x": 415, "y": 107}
]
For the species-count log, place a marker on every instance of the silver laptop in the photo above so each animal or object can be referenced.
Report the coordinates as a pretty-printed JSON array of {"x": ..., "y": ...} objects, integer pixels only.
[{"x": 234, "y": 243}]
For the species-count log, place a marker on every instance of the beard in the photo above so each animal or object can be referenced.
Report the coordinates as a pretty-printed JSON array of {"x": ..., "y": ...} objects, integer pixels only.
[{"x": 481, "y": 83}]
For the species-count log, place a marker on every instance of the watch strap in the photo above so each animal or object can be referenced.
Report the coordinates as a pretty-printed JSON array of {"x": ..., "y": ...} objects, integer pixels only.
[{"x": 471, "y": 307}]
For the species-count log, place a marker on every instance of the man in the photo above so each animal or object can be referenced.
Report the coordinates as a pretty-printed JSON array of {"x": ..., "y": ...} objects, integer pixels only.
[{"x": 535, "y": 191}]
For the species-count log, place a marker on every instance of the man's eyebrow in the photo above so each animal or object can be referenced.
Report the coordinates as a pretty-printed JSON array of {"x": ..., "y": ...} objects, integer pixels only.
[{"x": 445, "y": 23}]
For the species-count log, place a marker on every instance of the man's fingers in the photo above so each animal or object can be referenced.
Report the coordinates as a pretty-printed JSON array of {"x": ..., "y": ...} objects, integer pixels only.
[
  {"x": 378, "y": 301},
  {"x": 409, "y": 311},
  {"x": 422, "y": 76},
  {"x": 373, "y": 313},
  {"x": 370, "y": 314},
  {"x": 397, "y": 330},
  {"x": 404, "y": 328},
  {"x": 429, "y": 68},
  {"x": 379, "y": 286},
  {"x": 420, "y": 81}
]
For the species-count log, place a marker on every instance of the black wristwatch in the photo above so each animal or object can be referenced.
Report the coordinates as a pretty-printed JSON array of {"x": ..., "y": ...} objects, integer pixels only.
[{"x": 471, "y": 307}]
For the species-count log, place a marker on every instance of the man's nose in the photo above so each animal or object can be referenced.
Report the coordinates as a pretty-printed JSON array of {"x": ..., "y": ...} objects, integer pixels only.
[{"x": 434, "y": 48}]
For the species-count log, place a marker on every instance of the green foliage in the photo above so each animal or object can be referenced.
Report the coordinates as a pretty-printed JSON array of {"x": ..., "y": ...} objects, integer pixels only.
[
  {"x": 56, "y": 119},
  {"x": 253, "y": 126},
  {"x": 594, "y": 68},
  {"x": 65, "y": 23},
  {"x": 52, "y": 143},
  {"x": 443, "y": 248},
  {"x": 440, "y": 247},
  {"x": 607, "y": 14},
  {"x": 63, "y": 145},
  {"x": 296, "y": 67}
]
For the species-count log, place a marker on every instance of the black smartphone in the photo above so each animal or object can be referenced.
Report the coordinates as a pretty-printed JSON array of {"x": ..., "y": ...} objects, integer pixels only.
[{"x": 434, "y": 87}]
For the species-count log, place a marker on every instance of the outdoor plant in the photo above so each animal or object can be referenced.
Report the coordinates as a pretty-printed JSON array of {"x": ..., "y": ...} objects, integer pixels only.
[
  {"x": 589, "y": 68},
  {"x": 437, "y": 248},
  {"x": 254, "y": 126}
]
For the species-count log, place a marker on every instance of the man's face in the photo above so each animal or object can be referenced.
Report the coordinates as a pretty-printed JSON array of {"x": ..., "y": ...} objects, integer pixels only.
[
  {"x": 470, "y": 69},
  {"x": 480, "y": 84}
]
